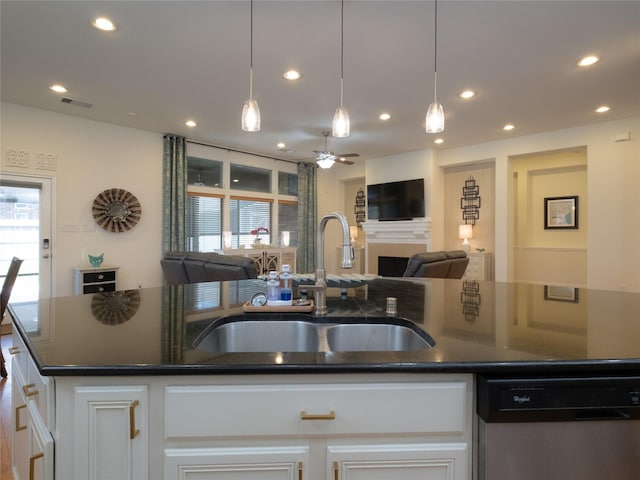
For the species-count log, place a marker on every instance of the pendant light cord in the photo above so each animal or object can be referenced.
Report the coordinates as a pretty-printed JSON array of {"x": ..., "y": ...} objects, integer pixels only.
[
  {"x": 341, "y": 49},
  {"x": 251, "y": 52},
  {"x": 435, "y": 54}
]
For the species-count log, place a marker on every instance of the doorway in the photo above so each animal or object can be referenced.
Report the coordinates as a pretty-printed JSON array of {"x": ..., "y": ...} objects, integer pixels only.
[{"x": 25, "y": 232}]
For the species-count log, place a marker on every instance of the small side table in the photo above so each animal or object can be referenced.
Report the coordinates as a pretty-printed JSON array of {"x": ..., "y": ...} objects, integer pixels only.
[
  {"x": 479, "y": 267},
  {"x": 94, "y": 279}
]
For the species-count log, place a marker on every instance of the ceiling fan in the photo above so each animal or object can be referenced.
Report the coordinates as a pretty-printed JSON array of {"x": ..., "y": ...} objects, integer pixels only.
[{"x": 326, "y": 158}]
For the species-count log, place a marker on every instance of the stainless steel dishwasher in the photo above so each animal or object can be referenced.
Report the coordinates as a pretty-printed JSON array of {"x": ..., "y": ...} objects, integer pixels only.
[{"x": 582, "y": 428}]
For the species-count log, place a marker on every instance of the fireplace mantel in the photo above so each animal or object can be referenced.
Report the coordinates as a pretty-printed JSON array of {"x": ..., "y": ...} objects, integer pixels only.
[{"x": 409, "y": 231}]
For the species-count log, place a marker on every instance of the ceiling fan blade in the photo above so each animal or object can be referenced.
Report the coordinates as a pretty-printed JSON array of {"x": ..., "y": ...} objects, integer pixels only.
[
  {"x": 343, "y": 161},
  {"x": 347, "y": 155}
]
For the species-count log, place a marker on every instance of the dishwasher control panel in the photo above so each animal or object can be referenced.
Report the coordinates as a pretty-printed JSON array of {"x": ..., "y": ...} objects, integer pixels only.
[{"x": 569, "y": 398}]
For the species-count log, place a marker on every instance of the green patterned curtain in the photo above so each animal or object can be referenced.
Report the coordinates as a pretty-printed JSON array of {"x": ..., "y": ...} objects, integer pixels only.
[
  {"x": 174, "y": 192},
  {"x": 307, "y": 217},
  {"x": 174, "y": 200}
]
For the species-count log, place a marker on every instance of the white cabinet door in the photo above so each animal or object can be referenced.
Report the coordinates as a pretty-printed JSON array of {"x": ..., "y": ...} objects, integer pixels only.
[
  {"x": 32, "y": 453},
  {"x": 428, "y": 461},
  {"x": 20, "y": 446},
  {"x": 111, "y": 433},
  {"x": 41, "y": 447},
  {"x": 243, "y": 463}
]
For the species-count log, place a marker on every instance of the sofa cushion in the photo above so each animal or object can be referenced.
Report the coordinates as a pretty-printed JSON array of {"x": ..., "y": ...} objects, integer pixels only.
[{"x": 418, "y": 259}]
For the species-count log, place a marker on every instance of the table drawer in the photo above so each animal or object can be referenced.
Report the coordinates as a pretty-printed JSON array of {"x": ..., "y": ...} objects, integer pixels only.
[
  {"x": 99, "y": 287},
  {"x": 273, "y": 410},
  {"x": 94, "y": 277}
]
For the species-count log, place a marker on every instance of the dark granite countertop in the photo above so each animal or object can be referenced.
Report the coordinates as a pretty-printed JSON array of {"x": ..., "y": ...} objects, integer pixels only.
[{"x": 478, "y": 327}]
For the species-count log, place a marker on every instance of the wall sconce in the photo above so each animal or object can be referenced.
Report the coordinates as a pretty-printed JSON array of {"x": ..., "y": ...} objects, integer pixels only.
[
  {"x": 465, "y": 232},
  {"x": 227, "y": 239},
  {"x": 284, "y": 238}
]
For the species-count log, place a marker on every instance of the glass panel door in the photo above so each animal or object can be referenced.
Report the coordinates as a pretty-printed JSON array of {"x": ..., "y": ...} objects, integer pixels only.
[{"x": 25, "y": 232}]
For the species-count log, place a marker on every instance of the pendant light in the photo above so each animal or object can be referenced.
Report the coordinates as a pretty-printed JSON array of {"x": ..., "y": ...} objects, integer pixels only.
[
  {"x": 435, "y": 114},
  {"x": 250, "y": 110},
  {"x": 341, "y": 117}
]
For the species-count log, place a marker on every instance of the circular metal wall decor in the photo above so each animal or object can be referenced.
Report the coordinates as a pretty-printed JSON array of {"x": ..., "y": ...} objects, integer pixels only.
[
  {"x": 114, "y": 308},
  {"x": 116, "y": 210}
]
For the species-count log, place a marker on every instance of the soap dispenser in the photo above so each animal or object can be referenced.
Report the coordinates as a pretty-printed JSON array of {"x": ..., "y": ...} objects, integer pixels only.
[
  {"x": 286, "y": 292},
  {"x": 273, "y": 287}
]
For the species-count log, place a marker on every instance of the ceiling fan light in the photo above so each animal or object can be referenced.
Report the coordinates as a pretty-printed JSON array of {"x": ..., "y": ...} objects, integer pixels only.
[
  {"x": 251, "y": 116},
  {"x": 325, "y": 162},
  {"x": 341, "y": 124},
  {"x": 435, "y": 118}
]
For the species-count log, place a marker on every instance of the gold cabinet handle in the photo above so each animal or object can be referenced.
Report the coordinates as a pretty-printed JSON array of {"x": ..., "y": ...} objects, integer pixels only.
[
  {"x": 335, "y": 471},
  {"x": 323, "y": 416},
  {"x": 133, "y": 431},
  {"x": 18, "y": 426},
  {"x": 299, "y": 470},
  {"x": 27, "y": 389},
  {"x": 14, "y": 350},
  {"x": 32, "y": 462}
]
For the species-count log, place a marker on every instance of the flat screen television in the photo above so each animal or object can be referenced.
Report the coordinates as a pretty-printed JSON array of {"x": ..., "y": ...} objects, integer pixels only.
[{"x": 396, "y": 200}]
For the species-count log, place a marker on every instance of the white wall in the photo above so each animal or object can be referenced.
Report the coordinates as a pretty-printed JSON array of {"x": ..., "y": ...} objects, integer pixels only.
[
  {"x": 92, "y": 157},
  {"x": 613, "y": 177}
]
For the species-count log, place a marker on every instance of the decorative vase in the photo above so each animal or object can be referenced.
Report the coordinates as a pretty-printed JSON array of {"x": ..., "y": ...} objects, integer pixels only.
[{"x": 96, "y": 261}]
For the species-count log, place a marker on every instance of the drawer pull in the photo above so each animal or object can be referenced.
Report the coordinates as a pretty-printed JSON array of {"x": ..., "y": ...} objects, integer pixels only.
[
  {"x": 14, "y": 350},
  {"x": 323, "y": 416},
  {"x": 133, "y": 431},
  {"x": 27, "y": 389},
  {"x": 101, "y": 277},
  {"x": 335, "y": 471},
  {"x": 18, "y": 426},
  {"x": 32, "y": 466},
  {"x": 299, "y": 470}
]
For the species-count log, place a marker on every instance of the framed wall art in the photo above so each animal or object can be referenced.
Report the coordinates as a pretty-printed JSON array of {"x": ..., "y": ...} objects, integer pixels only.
[{"x": 561, "y": 212}]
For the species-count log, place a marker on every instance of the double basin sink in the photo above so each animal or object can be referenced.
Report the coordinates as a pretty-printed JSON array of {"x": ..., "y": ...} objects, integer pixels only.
[{"x": 307, "y": 334}]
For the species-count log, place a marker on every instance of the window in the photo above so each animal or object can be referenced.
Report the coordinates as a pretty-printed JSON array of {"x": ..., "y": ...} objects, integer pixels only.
[
  {"x": 249, "y": 219},
  {"x": 251, "y": 179},
  {"x": 204, "y": 222},
  {"x": 287, "y": 183},
  {"x": 204, "y": 172}
]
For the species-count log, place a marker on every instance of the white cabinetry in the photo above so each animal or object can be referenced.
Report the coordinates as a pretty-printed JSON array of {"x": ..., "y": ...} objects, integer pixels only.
[
  {"x": 111, "y": 432},
  {"x": 479, "y": 267},
  {"x": 410, "y": 430},
  {"x": 32, "y": 447}
]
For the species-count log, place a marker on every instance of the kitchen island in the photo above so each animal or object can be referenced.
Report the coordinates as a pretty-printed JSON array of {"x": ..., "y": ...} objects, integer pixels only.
[{"x": 126, "y": 366}]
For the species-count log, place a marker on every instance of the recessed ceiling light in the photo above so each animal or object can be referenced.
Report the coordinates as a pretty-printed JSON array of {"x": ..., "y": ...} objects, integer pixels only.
[
  {"x": 281, "y": 145},
  {"x": 58, "y": 88},
  {"x": 508, "y": 127},
  {"x": 438, "y": 141},
  {"x": 603, "y": 109},
  {"x": 467, "y": 94},
  {"x": 588, "y": 60},
  {"x": 292, "y": 75},
  {"x": 104, "y": 24},
  {"x": 384, "y": 116},
  {"x": 190, "y": 123}
]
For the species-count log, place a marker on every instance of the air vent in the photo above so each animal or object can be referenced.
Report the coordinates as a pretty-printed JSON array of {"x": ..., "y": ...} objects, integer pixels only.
[{"x": 77, "y": 103}]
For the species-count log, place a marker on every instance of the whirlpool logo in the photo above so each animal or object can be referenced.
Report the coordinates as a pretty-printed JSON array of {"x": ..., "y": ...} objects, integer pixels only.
[{"x": 521, "y": 399}]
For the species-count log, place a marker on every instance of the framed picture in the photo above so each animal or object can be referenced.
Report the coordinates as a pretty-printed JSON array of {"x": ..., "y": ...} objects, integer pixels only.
[
  {"x": 561, "y": 212},
  {"x": 561, "y": 294}
]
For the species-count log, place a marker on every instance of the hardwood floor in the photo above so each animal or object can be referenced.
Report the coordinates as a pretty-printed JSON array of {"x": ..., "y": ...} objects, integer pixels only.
[{"x": 5, "y": 413}]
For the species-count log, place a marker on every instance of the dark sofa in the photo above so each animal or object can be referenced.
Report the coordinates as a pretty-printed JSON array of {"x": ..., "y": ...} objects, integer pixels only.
[
  {"x": 449, "y": 264},
  {"x": 194, "y": 267}
]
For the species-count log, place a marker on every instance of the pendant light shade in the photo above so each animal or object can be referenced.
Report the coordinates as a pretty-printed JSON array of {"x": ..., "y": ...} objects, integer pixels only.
[
  {"x": 341, "y": 124},
  {"x": 434, "y": 122},
  {"x": 250, "y": 110},
  {"x": 435, "y": 118}
]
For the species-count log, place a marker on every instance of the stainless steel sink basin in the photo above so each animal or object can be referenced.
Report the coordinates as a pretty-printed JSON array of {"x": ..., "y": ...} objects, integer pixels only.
[
  {"x": 292, "y": 334},
  {"x": 261, "y": 336},
  {"x": 368, "y": 337}
]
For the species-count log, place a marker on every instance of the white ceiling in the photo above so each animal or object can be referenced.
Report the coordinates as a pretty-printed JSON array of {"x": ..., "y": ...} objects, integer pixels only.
[{"x": 170, "y": 61}]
